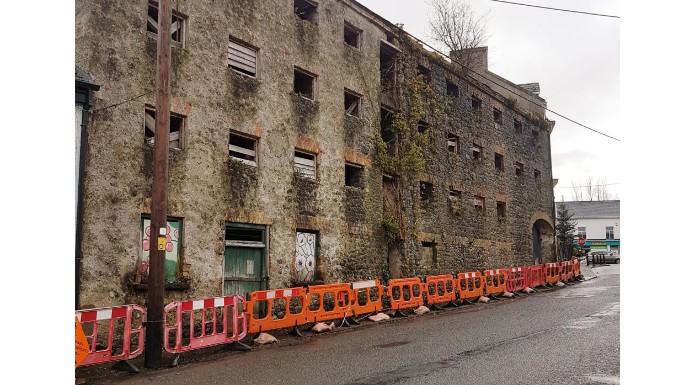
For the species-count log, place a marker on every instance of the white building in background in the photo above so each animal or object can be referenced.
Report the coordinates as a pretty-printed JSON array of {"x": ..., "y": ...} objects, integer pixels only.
[{"x": 598, "y": 222}]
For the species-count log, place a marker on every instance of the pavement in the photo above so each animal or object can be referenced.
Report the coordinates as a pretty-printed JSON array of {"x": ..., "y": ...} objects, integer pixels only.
[{"x": 587, "y": 271}]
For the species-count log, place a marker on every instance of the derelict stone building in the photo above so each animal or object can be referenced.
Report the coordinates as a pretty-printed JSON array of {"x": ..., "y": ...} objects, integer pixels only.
[{"x": 309, "y": 142}]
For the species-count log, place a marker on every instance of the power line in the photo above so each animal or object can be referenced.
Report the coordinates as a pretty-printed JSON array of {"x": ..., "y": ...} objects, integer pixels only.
[
  {"x": 603, "y": 184},
  {"x": 555, "y": 9},
  {"x": 122, "y": 102},
  {"x": 504, "y": 87}
]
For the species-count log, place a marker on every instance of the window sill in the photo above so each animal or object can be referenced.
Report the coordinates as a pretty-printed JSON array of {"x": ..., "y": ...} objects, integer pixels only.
[{"x": 177, "y": 286}]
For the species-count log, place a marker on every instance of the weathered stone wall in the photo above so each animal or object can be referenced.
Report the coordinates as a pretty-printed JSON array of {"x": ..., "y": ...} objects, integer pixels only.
[{"x": 207, "y": 190}]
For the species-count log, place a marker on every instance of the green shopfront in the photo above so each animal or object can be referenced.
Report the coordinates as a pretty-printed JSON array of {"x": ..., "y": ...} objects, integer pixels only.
[{"x": 601, "y": 245}]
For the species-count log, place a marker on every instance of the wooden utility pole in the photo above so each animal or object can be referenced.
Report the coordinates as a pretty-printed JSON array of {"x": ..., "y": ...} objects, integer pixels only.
[{"x": 158, "y": 222}]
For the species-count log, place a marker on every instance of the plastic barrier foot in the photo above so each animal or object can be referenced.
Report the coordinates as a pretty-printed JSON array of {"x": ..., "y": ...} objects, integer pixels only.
[
  {"x": 175, "y": 362},
  {"x": 452, "y": 304},
  {"x": 126, "y": 366},
  {"x": 295, "y": 332},
  {"x": 466, "y": 302},
  {"x": 353, "y": 321},
  {"x": 238, "y": 347},
  {"x": 435, "y": 308},
  {"x": 399, "y": 313}
]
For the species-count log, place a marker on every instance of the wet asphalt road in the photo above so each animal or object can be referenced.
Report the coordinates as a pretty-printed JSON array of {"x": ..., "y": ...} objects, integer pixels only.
[{"x": 564, "y": 336}]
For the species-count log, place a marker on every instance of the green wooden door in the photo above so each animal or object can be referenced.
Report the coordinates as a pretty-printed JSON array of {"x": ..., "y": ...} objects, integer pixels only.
[{"x": 243, "y": 270}]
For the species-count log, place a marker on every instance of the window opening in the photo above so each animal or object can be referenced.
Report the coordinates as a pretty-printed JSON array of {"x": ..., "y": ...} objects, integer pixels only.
[
  {"x": 453, "y": 143},
  {"x": 243, "y": 149},
  {"x": 305, "y": 10},
  {"x": 426, "y": 191},
  {"x": 499, "y": 162},
  {"x": 475, "y": 103},
  {"x": 176, "y": 127},
  {"x": 479, "y": 202},
  {"x": 177, "y": 27},
  {"x": 304, "y": 83},
  {"x": 241, "y": 57},
  {"x": 452, "y": 89},
  {"x": 500, "y": 208},
  {"x": 519, "y": 169},
  {"x": 352, "y": 102},
  {"x": 354, "y": 175},
  {"x": 351, "y": 35},
  {"x": 305, "y": 164}
]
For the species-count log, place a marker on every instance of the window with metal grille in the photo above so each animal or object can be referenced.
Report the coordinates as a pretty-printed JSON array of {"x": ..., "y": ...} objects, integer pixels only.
[
  {"x": 242, "y": 57},
  {"x": 243, "y": 149},
  {"x": 305, "y": 164},
  {"x": 178, "y": 26}
]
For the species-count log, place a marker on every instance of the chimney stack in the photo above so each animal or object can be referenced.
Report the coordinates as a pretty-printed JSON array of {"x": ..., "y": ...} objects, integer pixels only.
[{"x": 473, "y": 58}]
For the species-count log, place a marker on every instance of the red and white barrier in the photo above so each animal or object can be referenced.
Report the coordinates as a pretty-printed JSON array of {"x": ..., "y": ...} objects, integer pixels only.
[
  {"x": 90, "y": 320},
  {"x": 204, "y": 330}
]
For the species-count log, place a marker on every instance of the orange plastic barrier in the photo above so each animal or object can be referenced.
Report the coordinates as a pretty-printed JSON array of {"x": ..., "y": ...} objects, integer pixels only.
[
  {"x": 470, "y": 285},
  {"x": 517, "y": 279},
  {"x": 328, "y": 302},
  {"x": 268, "y": 317},
  {"x": 367, "y": 297},
  {"x": 535, "y": 275},
  {"x": 210, "y": 321},
  {"x": 552, "y": 272},
  {"x": 576, "y": 268},
  {"x": 90, "y": 318},
  {"x": 566, "y": 271},
  {"x": 495, "y": 281},
  {"x": 405, "y": 293},
  {"x": 439, "y": 289}
]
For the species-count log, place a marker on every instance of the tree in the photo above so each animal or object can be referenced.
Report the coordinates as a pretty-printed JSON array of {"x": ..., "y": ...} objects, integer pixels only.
[
  {"x": 565, "y": 231},
  {"x": 591, "y": 190},
  {"x": 454, "y": 24}
]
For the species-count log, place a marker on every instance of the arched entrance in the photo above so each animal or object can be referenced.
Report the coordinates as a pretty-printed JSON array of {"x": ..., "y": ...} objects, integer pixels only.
[{"x": 541, "y": 236}]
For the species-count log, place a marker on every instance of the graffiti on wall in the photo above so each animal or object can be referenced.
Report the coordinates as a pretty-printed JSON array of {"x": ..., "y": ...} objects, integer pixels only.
[{"x": 305, "y": 260}]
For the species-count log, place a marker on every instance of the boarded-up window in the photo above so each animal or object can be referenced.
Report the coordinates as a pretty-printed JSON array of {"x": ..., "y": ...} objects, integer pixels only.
[
  {"x": 305, "y": 164},
  {"x": 242, "y": 57},
  {"x": 243, "y": 149},
  {"x": 178, "y": 26},
  {"x": 176, "y": 129}
]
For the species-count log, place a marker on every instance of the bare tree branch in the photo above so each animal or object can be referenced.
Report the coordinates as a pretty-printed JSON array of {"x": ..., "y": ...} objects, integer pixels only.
[
  {"x": 454, "y": 24},
  {"x": 578, "y": 193}
]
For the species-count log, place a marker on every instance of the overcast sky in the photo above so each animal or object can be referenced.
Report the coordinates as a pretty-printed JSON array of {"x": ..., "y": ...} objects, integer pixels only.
[{"x": 574, "y": 58}]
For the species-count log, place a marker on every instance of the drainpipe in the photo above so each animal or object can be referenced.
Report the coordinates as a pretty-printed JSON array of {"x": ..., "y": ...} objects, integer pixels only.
[{"x": 86, "y": 89}]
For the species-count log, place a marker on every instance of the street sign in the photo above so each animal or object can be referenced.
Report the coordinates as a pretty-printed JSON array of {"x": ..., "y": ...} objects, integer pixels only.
[
  {"x": 581, "y": 241},
  {"x": 81, "y": 344}
]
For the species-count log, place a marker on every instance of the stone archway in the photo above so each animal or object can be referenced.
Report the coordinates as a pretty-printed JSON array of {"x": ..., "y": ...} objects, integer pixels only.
[{"x": 542, "y": 238}]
